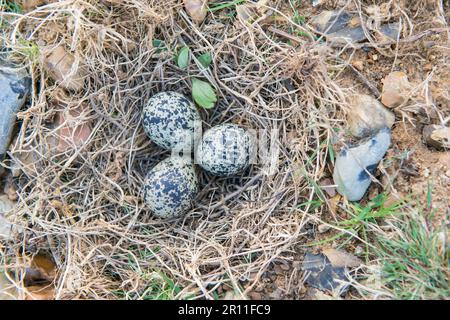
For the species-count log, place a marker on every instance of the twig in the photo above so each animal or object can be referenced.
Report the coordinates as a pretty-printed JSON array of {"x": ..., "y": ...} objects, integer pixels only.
[{"x": 364, "y": 80}]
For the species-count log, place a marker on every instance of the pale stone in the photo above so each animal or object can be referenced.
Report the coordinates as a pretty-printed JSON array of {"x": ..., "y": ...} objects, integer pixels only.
[
  {"x": 367, "y": 115},
  {"x": 395, "y": 89},
  {"x": 355, "y": 165},
  {"x": 14, "y": 88}
]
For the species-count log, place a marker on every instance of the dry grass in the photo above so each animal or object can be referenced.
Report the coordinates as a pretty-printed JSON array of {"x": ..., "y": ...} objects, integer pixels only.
[{"x": 85, "y": 207}]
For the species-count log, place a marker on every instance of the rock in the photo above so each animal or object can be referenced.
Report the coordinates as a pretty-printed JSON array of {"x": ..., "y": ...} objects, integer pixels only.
[
  {"x": 339, "y": 258},
  {"x": 14, "y": 88},
  {"x": 6, "y": 228},
  {"x": 343, "y": 27},
  {"x": 395, "y": 89},
  {"x": 64, "y": 68},
  {"x": 321, "y": 273},
  {"x": 197, "y": 9},
  {"x": 355, "y": 164},
  {"x": 358, "y": 64},
  {"x": 322, "y": 228},
  {"x": 390, "y": 30},
  {"x": 338, "y": 27},
  {"x": 437, "y": 136},
  {"x": 277, "y": 294},
  {"x": 367, "y": 115},
  {"x": 9, "y": 189}
]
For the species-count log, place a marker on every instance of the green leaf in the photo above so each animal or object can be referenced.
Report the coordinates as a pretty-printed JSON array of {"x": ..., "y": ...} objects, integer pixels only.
[
  {"x": 203, "y": 93},
  {"x": 159, "y": 45},
  {"x": 183, "y": 58},
  {"x": 205, "y": 59}
]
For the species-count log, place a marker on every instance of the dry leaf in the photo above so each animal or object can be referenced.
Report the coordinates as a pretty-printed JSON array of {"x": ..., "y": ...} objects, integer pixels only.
[
  {"x": 249, "y": 12},
  {"x": 340, "y": 259},
  {"x": 41, "y": 268},
  {"x": 327, "y": 186},
  {"x": 63, "y": 67},
  {"x": 23, "y": 160},
  {"x": 197, "y": 9},
  {"x": 72, "y": 131},
  {"x": 46, "y": 292},
  {"x": 245, "y": 12}
]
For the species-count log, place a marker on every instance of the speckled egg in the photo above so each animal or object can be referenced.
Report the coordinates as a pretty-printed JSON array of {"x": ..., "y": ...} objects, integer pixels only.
[
  {"x": 170, "y": 187},
  {"x": 225, "y": 150},
  {"x": 170, "y": 120}
]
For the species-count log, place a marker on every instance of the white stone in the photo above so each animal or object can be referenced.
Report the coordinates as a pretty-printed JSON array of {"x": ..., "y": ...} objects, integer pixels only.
[
  {"x": 366, "y": 115},
  {"x": 355, "y": 165},
  {"x": 5, "y": 226}
]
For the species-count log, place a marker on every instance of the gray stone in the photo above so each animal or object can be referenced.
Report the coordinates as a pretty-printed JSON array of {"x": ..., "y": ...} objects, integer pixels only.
[
  {"x": 391, "y": 30},
  {"x": 437, "y": 136},
  {"x": 355, "y": 165},
  {"x": 321, "y": 274},
  {"x": 14, "y": 88},
  {"x": 366, "y": 115},
  {"x": 336, "y": 27},
  {"x": 355, "y": 34},
  {"x": 343, "y": 27}
]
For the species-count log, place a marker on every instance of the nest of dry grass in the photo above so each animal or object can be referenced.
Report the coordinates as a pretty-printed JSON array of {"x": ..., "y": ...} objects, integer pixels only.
[{"x": 84, "y": 205}]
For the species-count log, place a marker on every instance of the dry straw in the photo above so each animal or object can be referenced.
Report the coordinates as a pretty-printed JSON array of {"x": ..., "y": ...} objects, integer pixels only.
[{"x": 85, "y": 206}]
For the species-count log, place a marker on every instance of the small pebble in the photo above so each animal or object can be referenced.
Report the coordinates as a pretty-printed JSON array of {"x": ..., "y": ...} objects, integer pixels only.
[
  {"x": 358, "y": 64},
  {"x": 323, "y": 228},
  {"x": 395, "y": 89},
  {"x": 437, "y": 136}
]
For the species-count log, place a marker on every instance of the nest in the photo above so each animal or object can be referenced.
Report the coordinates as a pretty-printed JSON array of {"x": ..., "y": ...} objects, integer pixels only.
[{"x": 84, "y": 204}]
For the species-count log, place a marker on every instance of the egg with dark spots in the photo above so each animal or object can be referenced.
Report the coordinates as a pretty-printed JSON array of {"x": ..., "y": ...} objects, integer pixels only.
[
  {"x": 170, "y": 120},
  {"x": 170, "y": 187},
  {"x": 225, "y": 150}
]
